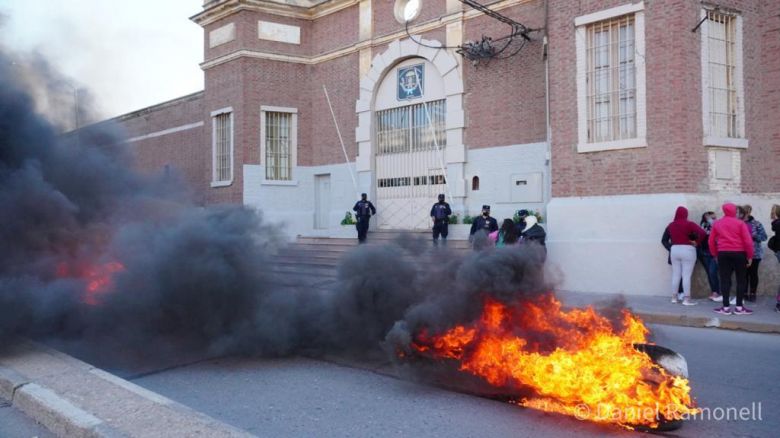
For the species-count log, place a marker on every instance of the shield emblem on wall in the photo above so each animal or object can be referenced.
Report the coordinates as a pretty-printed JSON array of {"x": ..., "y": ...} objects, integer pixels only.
[{"x": 410, "y": 82}]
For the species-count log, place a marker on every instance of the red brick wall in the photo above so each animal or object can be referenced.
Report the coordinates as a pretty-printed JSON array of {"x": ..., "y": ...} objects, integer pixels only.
[
  {"x": 224, "y": 89},
  {"x": 182, "y": 151},
  {"x": 504, "y": 99},
  {"x": 675, "y": 159},
  {"x": 762, "y": 89},
  {"x": 335, "y": 31},
  {"x": 517, "y": 82},
  {"x": 340, "y": 76},
  {"x": 275, "y": 84},
  {"x": 384, "y": 21}
]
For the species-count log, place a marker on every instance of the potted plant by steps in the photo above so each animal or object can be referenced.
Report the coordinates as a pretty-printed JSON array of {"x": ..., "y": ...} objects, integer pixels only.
[{"x": 348, "y": 219}]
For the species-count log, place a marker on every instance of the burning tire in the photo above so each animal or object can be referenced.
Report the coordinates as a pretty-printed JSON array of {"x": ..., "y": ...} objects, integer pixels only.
[
  {"x": 675, "y": 364},
  {"x": 446, "y": 374},
  {"x": 573, "y": 362}
]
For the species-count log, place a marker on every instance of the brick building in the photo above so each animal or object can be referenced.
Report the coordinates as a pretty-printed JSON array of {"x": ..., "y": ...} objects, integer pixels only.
[{"x": 611, "y": 114}]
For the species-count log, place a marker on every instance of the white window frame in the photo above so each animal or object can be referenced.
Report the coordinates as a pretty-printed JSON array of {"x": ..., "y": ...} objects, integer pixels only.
[
  {"x": 293, "y": 144},
  {"x": 581, "y": 23},
  {"x": 214, "y": 114},
  {"x": 706, "y": 103}
]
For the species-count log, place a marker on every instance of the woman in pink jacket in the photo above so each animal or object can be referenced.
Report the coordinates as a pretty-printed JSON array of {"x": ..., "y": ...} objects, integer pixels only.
[{"x": 731, "y": 244}]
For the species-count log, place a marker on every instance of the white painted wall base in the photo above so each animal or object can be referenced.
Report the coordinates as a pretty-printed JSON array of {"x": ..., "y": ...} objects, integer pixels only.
[
  {"x": 495, "y": 167},
  {"x": 292, "y": 206},
  {"x": 612, "y": 244}
]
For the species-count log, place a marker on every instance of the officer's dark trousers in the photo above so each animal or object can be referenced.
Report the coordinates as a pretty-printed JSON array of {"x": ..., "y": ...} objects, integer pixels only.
[
  {"x": 362, "y": 228},
  {"x": 440, "y": 228}
]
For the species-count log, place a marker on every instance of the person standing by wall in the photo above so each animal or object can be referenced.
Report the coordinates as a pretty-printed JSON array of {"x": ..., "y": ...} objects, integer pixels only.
[
  {"x": 731, "y": 244},
  {"x": 363, "y": 209},
  {"x": 440, "y": 215},
  {"x": 758, "y": 234},
  {"x": 520, "y": 225},
  {"x": 506, "y": 235},
  {"x": 774, "y": 243},
  {"x": 707, "y": 260},
  {"x": 533, "y": 232},
  {"x": 685, "y": 236}
]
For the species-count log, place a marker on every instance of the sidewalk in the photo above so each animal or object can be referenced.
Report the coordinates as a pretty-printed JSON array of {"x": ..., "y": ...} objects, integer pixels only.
[
  {"x": 658, "y": 310},
  {"x": 74, "y": 399}
]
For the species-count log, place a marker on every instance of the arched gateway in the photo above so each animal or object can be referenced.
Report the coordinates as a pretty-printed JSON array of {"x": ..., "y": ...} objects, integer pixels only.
[{"x": 410, "y": 132}]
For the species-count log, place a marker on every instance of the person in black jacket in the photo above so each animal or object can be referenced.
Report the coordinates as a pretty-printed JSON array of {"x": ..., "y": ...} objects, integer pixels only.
[
  {"x": 363, "y": 209},
  {"x": 440, "y": 215},
  {"x": 484, "y": 225},
  {"x": 520, "y": 225},
  {"x": 775, "y": 243},
  {"x": 709, "y": 262},
  {"x": 533, "y": 232}
]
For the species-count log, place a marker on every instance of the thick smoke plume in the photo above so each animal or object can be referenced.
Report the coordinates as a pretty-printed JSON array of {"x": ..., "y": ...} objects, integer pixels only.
[{"x": 182, "y": 277}]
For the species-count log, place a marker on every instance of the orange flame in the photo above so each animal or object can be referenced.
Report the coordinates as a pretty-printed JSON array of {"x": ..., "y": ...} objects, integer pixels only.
[
  {"x": 593, "y": 372},
  {"x": 99, "y": 278}
]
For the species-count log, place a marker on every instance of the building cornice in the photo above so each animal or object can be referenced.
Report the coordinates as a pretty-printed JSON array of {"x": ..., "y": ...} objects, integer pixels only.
[
  {"x": 157, "y": 107},
  {"x": 226, "y": 8},
  {"x": 417, "y": 29}
]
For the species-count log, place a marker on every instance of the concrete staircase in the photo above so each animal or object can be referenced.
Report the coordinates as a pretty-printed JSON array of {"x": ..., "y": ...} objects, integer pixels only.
[{"x": 314, "y": 260}]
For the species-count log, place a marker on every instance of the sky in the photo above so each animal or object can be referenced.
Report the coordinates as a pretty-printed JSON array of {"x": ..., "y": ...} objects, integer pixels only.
[{"x": 128, "y": 54}]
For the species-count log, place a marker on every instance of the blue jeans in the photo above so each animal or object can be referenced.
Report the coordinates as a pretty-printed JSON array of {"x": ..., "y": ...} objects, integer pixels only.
[{"x": 710, "y": 265}]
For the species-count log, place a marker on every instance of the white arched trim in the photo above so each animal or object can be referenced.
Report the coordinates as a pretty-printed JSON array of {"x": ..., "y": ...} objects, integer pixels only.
[{"x": 447, "y": 65}]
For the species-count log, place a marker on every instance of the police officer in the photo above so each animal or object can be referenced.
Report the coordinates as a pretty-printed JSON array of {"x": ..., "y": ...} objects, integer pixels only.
[
  {"x": 440, "y": 214},
  {"x": 484, "y": 222},
  {"x": 363, "y": 209}
]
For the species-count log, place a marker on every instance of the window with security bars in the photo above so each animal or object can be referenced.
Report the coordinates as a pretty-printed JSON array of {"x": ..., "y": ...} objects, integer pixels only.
[
  {"x": 223, "y": 148},
  {"x": 278, "y": 146},
  {"x": 722, "y": 70},
  {"x": 611, "y": 80},
  {"x": 412, "y": 128}
]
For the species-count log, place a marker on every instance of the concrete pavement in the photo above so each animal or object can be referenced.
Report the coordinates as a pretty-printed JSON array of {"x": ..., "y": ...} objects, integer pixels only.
[
  {"x": 15, "y": 424},
  {"x": 305, "y": 397}
]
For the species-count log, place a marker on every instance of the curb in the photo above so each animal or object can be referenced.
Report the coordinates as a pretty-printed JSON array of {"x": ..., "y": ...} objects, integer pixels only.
[
  {"x": 708, "y": 322},
  {"x": 69, "y": 414},
  {"x": 59, "y": 415}
]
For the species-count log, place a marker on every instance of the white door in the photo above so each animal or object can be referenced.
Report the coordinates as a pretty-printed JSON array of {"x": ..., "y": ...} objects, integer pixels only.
[{"x": 321, "y": 201}]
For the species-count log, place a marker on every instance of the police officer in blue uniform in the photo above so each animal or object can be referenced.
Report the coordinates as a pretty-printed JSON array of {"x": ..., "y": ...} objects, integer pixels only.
[
  {"x": 440, "y": 214},
  {"x": 484, "y": 223},
  {"x": 363, "y": 209}
]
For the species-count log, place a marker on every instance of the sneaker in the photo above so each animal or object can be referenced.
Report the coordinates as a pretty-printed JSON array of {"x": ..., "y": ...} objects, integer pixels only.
[
  {"x": 674, "y": 300},
  {"x": 742, "y": 311},
  {"x": 723, "y": 310},
  {"x": 715, "y": 297},
  {"x": 689, "y": 302}
]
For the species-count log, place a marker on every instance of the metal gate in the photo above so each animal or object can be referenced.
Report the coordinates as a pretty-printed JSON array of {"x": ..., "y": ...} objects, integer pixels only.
[{"x": 410, "y": 169}]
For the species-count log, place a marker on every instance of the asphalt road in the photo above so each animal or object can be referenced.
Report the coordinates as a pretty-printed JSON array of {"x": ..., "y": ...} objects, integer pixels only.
[
  {"x": 304, "y": 397},
  {"x": 14, "y": 424}
]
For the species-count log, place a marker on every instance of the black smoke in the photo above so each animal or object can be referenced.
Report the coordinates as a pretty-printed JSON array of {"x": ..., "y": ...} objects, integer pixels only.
[{"x": 195, "y": 279}]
